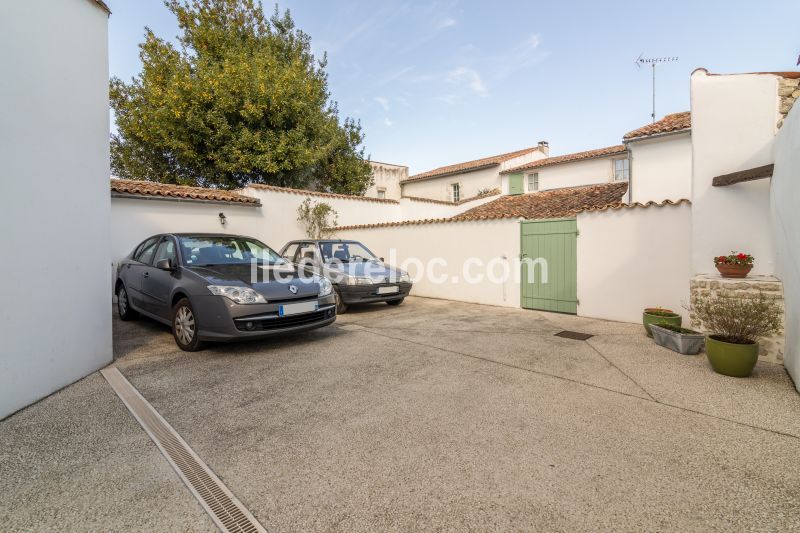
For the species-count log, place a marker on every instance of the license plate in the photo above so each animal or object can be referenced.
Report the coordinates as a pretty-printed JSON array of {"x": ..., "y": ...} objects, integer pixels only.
[
  {"x": 388, "y": 290},
  {"x": 296, "y": 309}
]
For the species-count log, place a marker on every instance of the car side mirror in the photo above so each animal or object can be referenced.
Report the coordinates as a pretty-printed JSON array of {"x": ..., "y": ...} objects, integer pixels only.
[
  {"x": 164, "y": 264},
  {"x": 381, "y": 258}
]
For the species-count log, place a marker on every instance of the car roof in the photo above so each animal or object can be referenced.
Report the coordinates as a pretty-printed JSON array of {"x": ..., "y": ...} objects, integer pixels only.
[{"x": 210, "y": 235}]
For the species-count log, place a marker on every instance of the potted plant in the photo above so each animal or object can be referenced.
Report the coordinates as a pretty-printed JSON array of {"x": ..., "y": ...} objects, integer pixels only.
[
  {"x": 678, "y": 339},
  {"x": 735, "y": 265},
  {"x": 659, "y": 315},
  {"x": 736, "y": 324}
]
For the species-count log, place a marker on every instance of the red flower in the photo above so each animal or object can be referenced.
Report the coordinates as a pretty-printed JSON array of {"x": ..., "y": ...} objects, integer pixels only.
[{"x": 742, "y": 256}]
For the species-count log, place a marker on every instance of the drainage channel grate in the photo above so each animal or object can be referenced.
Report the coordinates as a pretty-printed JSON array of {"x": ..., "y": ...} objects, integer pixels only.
[
  {"x": 224, "y": 508},
  {"x": 574, "y": 335}
]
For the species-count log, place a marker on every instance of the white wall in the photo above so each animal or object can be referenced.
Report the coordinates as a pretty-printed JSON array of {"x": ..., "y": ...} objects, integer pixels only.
[
  {"x": 661, "y": 168},
  {"x": 490, "y": 240},
  {"x": 633, "y": 258},
  {"x": 733, "y": 126},
  {"x": 574, "y": 174},
  {"x": 133, "y": 220},
  {"x": 387, "y": 177},
  {"x": 55, "y": 314},
  {"x": 439, "y": 188},
  {"x": 786, "y": 232}
]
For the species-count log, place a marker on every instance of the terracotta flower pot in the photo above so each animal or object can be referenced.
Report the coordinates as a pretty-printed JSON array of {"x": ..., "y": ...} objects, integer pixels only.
[{"x": 734, "y": 271}]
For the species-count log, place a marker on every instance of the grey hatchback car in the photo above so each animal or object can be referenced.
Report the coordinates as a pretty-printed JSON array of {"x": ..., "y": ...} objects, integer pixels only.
[{"x": 215, "y": 287}]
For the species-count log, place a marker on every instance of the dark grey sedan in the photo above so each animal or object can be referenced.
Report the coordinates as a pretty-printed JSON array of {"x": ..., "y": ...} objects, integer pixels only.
[
  {"x": 213, "y": 287},
  {"x": 358, "y": 276}
]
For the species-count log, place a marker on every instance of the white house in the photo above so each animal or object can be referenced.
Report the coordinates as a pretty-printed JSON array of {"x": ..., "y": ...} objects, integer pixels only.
[
  {"x": 454, "y": 183},
  {"x": 386, "y": 179},
  {"x": 54, "y": 147},
  {"x": 656, "y": 161}
]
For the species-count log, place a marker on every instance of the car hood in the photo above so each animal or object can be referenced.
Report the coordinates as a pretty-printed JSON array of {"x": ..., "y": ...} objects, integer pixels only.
[
  {"x": 274, "y": 282},
  {"x": 363, "y": 269}
]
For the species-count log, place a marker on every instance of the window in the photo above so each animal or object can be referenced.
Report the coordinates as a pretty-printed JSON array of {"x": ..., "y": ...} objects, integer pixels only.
[
  {"x": 166, "y": 250},
  {"x": 145, "y": 252},
  {"x": 455, "y": 189},
  {"x": 622, "y": 169},
  {"x": 288, "y": 254},
  {"x": 345, "y": 251},
  {"x": 308, "y": 254},
  {"x": 206, "y": 251},
  {"x": 533, "y": 182},
  {"x": 381, "y": 193}
]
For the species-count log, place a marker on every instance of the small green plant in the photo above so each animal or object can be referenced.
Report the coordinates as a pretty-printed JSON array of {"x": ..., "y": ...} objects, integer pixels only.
[
  {"x": 487, "y": 191},
  {"x": 661, "y": 312},
  {"x": 678, "y": 329},
  {"x": 319, "y": 220},
  {"x": 738, "y": 320}
]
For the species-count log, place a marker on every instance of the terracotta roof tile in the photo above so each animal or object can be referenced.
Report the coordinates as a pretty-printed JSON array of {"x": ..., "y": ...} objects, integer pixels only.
[
  {"x": 134, "y": 188},
  {"x": 102, "y": 5},
  {"x": 556, "y": 203},
  {"x": 469, "y": 166},
  {"x": 636, "y": 205},
  {"x": 493, "y": 192},
  {"x": 322, "y": 194},
  {"x": 569, "y": 158},
  {"x": 668, "y": 124}
]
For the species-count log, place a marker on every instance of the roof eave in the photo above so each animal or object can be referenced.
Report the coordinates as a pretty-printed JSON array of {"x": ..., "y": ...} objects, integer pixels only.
[
  {"x": 626, "y": 140},
  {"x": 134, "y": 196},
  {"x": 412, "y": 179},
  {"x": 523, "y": 168}
]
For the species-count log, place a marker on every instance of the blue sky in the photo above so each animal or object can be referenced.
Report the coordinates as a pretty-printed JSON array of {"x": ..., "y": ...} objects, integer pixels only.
[{"x": 441, "y": 82}]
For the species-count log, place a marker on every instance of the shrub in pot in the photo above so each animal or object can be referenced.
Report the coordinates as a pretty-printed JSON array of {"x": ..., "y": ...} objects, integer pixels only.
[
  {"x": 735, "y": 265},
  {"x": 678, "y": 339},
  {"x": 658, "y": 315},
  {"x": 735, "y": 324}
]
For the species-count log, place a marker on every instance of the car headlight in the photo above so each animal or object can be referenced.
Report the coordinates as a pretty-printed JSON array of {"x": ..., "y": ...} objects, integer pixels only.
[
  {"x": 405, "y": 278},
  {"x": 325, "y": 286},
  {"x": 240, "y": 295},
  {"x": 352, "y": 280}
]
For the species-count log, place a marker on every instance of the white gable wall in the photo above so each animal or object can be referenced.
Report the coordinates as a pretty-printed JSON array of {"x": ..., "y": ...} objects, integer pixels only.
[
  {"x": 733, "y": 127},
  {"x": 439, "y": 188},
  {"x": 661, "y": 168}
]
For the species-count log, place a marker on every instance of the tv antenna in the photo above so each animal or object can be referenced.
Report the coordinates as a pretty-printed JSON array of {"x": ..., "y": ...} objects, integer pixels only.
[{"x": 653, "y": 61}]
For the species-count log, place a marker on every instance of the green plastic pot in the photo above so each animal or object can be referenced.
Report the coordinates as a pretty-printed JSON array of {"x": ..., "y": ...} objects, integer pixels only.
[
  {"x": 729, "y": 359},
  {"x": 673, "y": 319}
]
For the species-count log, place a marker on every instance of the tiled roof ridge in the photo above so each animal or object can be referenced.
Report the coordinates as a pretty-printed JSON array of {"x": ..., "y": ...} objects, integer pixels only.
[
  {"x": 569, "y": 158},
  {"x": 171, "y": 190},
  {"x": 475, "y": 164},
  {"x": 305, "y": 192}
]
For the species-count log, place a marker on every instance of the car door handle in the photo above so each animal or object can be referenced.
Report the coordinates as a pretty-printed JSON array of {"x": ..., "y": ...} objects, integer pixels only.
[{"x": 146, "y": 275}]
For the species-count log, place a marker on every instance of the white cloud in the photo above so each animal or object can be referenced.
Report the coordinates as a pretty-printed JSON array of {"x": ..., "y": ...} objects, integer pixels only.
[
  {"x": 388, "y": 123},
  {"x": 534, "y": 41},
  {"x": 447, "y": 22},
  {"x": 383, "y": 101},
  {"x": 465, "y": 75}
]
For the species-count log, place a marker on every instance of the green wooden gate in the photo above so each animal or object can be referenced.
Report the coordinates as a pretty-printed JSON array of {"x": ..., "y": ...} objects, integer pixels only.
[{"x": 549, "y": 249}]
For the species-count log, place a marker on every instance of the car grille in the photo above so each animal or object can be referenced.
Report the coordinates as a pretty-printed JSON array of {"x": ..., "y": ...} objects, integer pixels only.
[{"x": 282, "y": 322}]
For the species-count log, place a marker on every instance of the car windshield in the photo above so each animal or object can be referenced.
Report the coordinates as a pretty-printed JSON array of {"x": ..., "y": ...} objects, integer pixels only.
[
  {"x": 222, "y": 250},
  {"x": 345, "y": 251}
]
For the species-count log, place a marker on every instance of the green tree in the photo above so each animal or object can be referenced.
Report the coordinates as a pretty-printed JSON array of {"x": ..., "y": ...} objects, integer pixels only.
[{"x": 241, "y": 100}]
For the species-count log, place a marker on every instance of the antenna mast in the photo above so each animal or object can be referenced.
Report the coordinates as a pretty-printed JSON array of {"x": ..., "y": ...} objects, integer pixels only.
[{"x": 652, "y": 61}]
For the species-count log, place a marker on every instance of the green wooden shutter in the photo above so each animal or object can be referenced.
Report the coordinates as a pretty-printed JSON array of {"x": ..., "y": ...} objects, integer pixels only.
[{"x": 515, "y": 184}]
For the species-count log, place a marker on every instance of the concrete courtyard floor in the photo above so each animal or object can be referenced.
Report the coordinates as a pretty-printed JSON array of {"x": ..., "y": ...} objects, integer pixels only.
[{"x": 434, "y": 415}]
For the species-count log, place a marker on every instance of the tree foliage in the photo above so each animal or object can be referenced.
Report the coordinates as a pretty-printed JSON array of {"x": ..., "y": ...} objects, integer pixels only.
[
  {"x": 241, "y": 99},
  {"x": 319, "y": 220}
]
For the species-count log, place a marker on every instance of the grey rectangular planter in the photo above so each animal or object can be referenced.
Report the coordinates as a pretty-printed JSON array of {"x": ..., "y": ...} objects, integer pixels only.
[{"x": 685, "y": 343}]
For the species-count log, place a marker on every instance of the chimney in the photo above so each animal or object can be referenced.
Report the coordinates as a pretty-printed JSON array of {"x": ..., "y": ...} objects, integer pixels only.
[{"x": 544, "y": 147}]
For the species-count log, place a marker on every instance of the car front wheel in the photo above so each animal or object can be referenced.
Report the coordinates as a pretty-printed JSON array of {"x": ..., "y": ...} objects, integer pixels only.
[
  {"x": 184, "y": 326},
  {"x": 341, "y": 307},
  {"x": 395, "y": 302},
  {"x": 124, "y": 305}
]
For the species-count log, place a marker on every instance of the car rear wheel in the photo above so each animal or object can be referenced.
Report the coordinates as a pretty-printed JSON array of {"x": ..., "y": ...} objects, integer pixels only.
[
  {"x": 184, "y": 326},
  {"x": 395, "y": 302},
  {"x": 124, "y": 305},
  {"x": 341, "y": 307}
]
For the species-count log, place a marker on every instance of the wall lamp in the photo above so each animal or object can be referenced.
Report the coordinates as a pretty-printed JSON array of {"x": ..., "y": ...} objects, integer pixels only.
[{"x": 223, "y": 219}]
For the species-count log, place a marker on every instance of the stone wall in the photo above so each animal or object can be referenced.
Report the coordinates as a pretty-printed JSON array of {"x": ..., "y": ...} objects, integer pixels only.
[
  {"x": 788, "y": 93},
  {"x": 770, "y": 348}
]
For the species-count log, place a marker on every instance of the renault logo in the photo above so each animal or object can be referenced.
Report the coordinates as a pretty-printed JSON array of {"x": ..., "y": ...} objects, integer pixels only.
[{"x": 293, "y": 289}]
